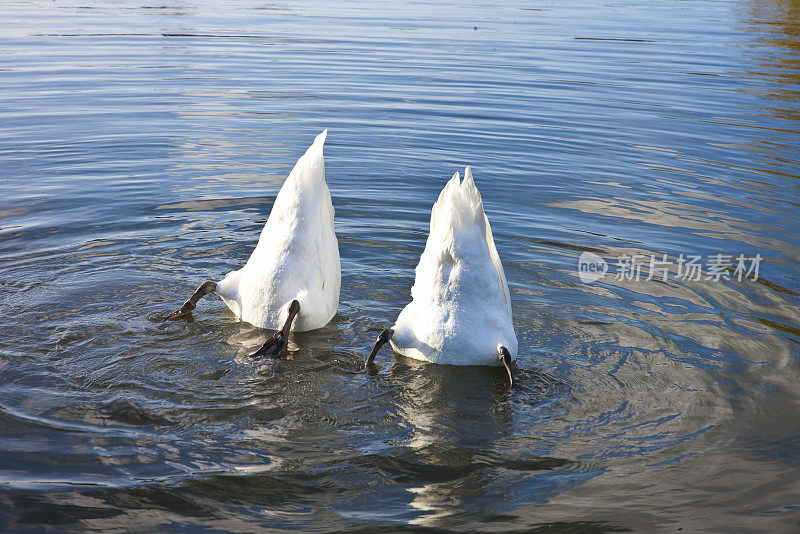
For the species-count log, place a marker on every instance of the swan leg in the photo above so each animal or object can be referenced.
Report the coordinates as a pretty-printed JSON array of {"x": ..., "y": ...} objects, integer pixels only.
[
  {"x": 505, "y": 357},
  {"x": 276, "y": 345},
  {"x": 204, "y": 289},
  {"x": 384, "y": 338}
]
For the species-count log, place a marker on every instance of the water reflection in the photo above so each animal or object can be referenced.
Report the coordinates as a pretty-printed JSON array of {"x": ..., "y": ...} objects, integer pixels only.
[{"x": 456, "y": 456}]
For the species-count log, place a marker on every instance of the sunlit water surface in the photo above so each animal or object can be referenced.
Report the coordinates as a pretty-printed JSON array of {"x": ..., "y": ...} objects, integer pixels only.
[{"x": 141, "y": 149}]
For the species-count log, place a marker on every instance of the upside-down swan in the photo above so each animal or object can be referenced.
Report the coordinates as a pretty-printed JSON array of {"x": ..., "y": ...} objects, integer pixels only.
[
  {"x": 460, "y": 312},
  {"x": 293, "y": 277}
]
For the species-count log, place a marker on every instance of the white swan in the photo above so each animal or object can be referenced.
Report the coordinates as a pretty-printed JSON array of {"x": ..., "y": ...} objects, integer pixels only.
[
  {"x": 294, "y": 270},
  {"x": 460, "y": 312}
]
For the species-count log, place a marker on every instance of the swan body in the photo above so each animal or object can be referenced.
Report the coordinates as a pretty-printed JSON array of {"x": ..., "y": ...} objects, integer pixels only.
[
  {"x": 460, "y": 312},
  {"x": 296, "y": 258}
]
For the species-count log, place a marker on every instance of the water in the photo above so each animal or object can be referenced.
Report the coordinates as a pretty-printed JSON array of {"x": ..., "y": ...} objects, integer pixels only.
[{"x": 142, "y": 145}]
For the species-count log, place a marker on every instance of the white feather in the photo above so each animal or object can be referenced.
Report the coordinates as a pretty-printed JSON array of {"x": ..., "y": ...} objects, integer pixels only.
[
  {"x": 297, "y": 255},
  {"x": 460, "y": 312}
]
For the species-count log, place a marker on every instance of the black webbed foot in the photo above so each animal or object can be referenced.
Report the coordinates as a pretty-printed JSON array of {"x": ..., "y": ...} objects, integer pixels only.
[
  {"x": 384, "y": 338},
  {"x": 204, "y": 289},
  {"x": 183, "y": 311},
  {"x": 273, "y": 348},
  {"x": 276, "y": 345}
]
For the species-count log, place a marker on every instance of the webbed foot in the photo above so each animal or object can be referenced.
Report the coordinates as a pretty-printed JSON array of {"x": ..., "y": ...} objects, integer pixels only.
[
  {"x": 505, "y": 357},
  {"x": 276, "y": 345},
  {"x": 204, "y": 289},
  {"x": 384, "y": 338}
]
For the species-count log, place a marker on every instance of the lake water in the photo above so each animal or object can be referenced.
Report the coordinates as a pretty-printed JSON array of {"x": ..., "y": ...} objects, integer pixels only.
[{"x": 141, "y": 149}]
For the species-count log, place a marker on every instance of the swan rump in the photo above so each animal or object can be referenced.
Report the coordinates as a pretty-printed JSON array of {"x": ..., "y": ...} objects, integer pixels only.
[
  {"x": 460, "y": 311},
  {"x": 297, "y": 255}
]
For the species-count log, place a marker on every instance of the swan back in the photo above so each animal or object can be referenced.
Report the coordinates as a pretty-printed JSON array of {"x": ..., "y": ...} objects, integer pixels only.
[
  {"x": 460, "y": 311},
  {"x": 297, "y": 255}
]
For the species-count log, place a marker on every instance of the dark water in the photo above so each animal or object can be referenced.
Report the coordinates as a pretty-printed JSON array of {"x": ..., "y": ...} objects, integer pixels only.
[{"x": 141, "y": 148}]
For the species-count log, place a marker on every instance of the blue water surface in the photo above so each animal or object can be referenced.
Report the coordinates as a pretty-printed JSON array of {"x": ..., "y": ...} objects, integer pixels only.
[{"x": 141, "y": 149}]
